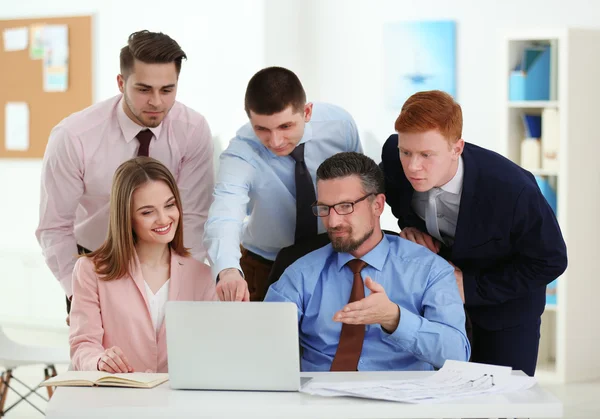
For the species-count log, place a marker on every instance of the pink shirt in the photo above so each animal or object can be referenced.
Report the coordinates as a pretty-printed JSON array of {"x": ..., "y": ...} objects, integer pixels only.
[{"x": 84, "y": 151}]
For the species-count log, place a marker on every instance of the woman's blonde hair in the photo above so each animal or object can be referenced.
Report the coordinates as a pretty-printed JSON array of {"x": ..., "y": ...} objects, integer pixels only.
[{"x": 113, "y": 259}]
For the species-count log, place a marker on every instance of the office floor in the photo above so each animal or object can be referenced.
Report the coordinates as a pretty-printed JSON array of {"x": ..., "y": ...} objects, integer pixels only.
[{"x": 581, "y": 400}]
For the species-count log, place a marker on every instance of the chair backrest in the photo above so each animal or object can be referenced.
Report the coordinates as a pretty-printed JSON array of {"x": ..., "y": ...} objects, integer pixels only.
[
  {"x": 290, "y": 254},
  {"x": 6, "y": 343},
  {"x": 14, "y": 354}
]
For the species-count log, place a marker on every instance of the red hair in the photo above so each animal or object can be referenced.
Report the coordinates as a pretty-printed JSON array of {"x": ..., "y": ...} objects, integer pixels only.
[{"x": 431, "y": 110}]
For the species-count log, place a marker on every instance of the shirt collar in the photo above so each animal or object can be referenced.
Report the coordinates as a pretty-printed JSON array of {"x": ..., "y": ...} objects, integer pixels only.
[
  {"x": 130, "y": 128},
  {"x": 375, "y": 258},
  {"x": 454, "y": 186},
  {"x": 308, "y": 133}
]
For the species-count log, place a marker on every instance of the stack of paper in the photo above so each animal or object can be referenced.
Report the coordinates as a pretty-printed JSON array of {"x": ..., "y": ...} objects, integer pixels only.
[{"x": 454, "y": 380}]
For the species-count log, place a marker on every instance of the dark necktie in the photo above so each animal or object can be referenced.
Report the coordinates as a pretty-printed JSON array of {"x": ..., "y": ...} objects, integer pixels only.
[
  {"x": 144, "y": 137},
  {"x": 352, "y": 335},
  {"x": 306, "y": 221}
]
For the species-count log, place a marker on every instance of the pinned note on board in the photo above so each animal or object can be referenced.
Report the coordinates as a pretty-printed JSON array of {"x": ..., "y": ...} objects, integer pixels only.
[
  {"x": 36, "y": 46},
  {"x": 16, "y": 123},
  {"x": 50, "y": 43},
  {"x": 56, "y": 58},
  {"x": 15, "y": 39}
]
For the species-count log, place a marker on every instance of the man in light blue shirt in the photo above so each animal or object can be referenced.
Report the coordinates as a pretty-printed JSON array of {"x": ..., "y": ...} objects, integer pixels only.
[
  {"x": 407, "y": 315},
  {"x": 265, "y": 185}
]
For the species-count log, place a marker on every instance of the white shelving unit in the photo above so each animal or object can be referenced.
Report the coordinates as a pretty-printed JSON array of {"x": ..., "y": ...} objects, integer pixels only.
[
  {"x": 544, "y": 172},
  {"x": 570, "y": 335},
  {"x": 533, "y": 104}
]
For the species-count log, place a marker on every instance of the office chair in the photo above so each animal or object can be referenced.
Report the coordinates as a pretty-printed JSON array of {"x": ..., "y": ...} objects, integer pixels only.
[{"x": 14, "y": 355}]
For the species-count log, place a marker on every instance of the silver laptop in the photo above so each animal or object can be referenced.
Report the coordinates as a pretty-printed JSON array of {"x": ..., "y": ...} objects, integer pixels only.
[{"x": 233, "y": 345}]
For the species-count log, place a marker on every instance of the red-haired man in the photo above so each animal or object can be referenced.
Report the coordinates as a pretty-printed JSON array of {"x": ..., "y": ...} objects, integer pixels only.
[{"x": 485, "y": 215}]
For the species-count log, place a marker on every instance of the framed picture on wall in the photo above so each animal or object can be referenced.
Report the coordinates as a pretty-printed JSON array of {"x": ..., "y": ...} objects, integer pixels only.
[{"x": 419, "y": 55}]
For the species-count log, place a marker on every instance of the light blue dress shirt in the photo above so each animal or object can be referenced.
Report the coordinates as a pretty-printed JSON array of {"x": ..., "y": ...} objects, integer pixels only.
[
  {"x": 422, "y": 284},
  {"x": 255, "y": 194}
]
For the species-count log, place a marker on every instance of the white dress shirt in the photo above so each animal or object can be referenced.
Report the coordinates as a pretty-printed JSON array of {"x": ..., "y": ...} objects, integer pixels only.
[
  {"x": 448, "y": 204},
  {"x": 157, "y": 303}
]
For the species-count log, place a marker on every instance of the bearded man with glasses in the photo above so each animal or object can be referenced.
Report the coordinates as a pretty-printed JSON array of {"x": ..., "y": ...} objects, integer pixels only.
[{"x": 370, "y": 301}]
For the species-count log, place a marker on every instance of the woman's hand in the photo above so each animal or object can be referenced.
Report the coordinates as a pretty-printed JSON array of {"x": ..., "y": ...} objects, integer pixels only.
[{"x": 114, "y": 361}]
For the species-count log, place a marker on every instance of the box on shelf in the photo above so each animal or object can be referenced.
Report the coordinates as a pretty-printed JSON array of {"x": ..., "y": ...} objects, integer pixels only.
[
  {"x": 531, "y": 153},
  {"x": 531, "y": 149},
  {"x": 548, "y": 191},
  {"x": 531, "y": 79},
  {"x": 550, "y": 139}
]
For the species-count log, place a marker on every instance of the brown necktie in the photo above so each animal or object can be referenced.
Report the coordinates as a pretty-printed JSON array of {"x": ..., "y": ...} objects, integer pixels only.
[
  {"x": 144, "y": 137},
  {"x": 353, "y": 335},
  {"x": 306, "y": 221}
]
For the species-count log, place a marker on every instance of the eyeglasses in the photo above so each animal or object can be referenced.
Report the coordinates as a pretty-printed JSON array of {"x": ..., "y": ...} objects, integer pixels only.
[{"x": 343, "y": 208}]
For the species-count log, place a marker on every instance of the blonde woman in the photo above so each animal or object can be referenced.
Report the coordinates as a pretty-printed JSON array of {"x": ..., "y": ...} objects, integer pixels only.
[{"x": 120, "y": 290}]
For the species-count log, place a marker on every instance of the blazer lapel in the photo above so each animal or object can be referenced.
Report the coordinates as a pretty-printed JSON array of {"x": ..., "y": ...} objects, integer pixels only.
[
  {"x": 138, "y": 279},
  {"x": 175, "y": 282},
  {"x": 468, "y": 201}
]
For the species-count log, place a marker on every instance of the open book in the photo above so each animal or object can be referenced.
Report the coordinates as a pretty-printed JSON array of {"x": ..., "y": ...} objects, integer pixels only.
[{"x": 99, "y": 378}]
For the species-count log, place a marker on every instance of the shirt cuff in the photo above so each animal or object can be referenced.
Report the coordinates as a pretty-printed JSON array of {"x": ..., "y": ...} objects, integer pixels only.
[
  {"x": 405, "y": 334},
  {"x": 225, "y": 264},
  {"x": 67, "y": 285}
]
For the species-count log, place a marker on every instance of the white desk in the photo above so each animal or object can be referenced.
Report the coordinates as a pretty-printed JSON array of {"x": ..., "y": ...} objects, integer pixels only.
[{"x": 162, "y": 402}]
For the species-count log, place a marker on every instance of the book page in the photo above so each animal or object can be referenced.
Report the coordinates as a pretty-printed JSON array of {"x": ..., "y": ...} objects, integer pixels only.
[
  {"x": 76, "y": 376},
  {"x": 82, "y": 378},
  {"x": 133, "y": 377}
]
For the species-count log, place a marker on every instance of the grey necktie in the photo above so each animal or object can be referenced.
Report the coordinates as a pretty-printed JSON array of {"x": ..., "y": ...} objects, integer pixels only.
[{"x": 431, "y": 215}]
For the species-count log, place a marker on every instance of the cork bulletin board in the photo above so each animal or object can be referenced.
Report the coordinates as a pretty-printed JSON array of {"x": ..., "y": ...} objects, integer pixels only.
[{"x": 22, "y": 80}]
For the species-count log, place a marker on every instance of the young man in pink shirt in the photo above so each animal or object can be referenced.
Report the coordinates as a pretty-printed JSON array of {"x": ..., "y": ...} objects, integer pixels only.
[{"x": 85, "y": 149}]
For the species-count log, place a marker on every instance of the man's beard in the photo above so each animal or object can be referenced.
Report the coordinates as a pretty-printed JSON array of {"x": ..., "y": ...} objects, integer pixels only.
[{"x": 348, "y": 245}]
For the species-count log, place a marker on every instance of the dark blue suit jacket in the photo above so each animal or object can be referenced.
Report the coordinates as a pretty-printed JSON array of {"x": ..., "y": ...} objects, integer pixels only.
[{"x": 507, "y": 243}]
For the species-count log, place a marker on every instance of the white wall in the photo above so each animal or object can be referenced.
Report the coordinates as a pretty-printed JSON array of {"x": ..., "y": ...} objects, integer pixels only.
[
  {"x": 348, "y": 55},
  {"x": 335, "y": 46}
]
